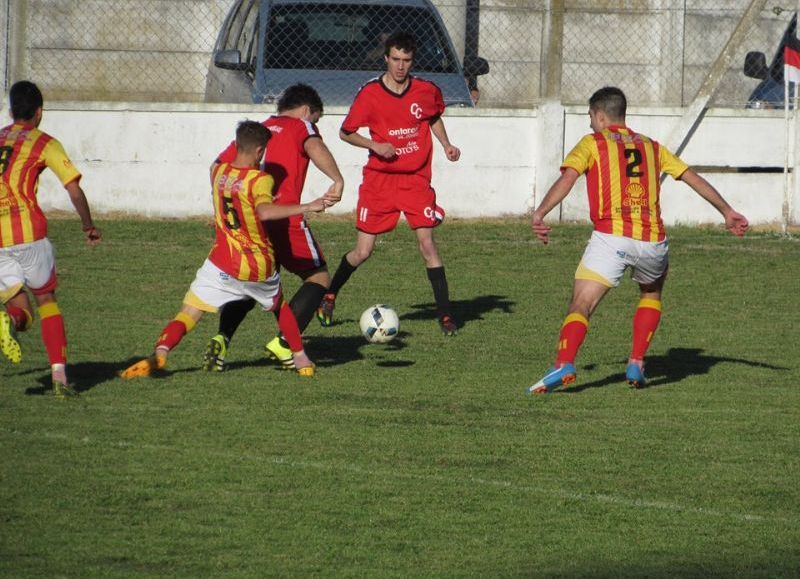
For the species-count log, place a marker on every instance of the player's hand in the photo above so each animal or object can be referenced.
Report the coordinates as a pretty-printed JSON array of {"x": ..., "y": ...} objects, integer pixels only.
[
  {"x": 384, "y": 150},
  {"x": 453, "y": 153},
  {"x": 93, "y": 235},
  {"x": 736, "y": 223},
  {"x": 334, "y": 193},
  {"x": 317, "y": 205},
  {"x": 540, "y": 229}
]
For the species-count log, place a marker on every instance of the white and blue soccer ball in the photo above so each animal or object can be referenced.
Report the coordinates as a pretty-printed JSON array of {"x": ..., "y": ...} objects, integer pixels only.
[{"x": 379, "y": 324}]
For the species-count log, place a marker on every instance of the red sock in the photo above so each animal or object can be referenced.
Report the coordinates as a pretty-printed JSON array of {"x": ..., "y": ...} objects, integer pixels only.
[
  {"x": 288, "y": 327},
  {"x": 173, "y": 332},
  {"x": 645, "y": 322},
  {"x": 21, "y": 318},
  {"x": 54, "y": 335},
  {"x": 573, "y": 331}
]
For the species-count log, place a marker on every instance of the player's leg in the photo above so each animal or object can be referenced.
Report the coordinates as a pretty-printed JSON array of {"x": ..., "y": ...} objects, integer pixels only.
[
  {"x": 650, "y": 273},
  {"x": 376, "y": 212},
  {"x": 30, "y": 265},
  {"x": 365, "y": 245},
  {"x": 437, "y": 278},
  {"x": 172, "y": 334},
  {"x": 586, "y": 296},
  {"x": 231, "y": 316},
  {"x": 17, "y": 317},
  {"x": 304, "y": 304},
  {"x": 288, "y": 328},
  {"x": 54, "y": 337},
  {"x": 602, "y": 266}
]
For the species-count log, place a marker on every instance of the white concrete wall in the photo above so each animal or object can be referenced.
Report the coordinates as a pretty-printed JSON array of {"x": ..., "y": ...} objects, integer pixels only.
[{"x": 154, "y": 161}]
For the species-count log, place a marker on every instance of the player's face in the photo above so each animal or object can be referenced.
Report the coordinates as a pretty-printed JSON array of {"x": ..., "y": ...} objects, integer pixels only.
[{"x": 398, "y": 64}]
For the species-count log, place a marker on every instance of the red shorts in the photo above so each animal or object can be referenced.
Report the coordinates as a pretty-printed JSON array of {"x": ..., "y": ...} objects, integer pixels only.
[
  {"x": 295, "y": 248},
  {"x": 383, "y": 196}
]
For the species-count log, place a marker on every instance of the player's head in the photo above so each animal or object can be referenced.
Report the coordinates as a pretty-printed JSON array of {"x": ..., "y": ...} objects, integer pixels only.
[
  {"x": 299, "y": 95},
  {"x": 26, "y": 101},
  {"x": 251, "y": 140},
  {"x": 607, "y": 106},
  {"x": 400, "y": 48},
  {"x": 401, "y": 41}
]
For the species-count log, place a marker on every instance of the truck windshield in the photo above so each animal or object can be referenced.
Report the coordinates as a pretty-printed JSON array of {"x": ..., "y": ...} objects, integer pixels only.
[{"x": 351, "y": 37}]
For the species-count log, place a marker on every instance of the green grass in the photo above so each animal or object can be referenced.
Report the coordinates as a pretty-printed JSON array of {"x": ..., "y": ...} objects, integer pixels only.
[{"x": 420, "y": 458}]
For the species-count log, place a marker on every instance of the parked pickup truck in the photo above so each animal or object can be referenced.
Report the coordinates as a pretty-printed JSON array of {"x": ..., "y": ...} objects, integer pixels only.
[
  {"x": 769, "y": 92},
  {"x": 265, "y": 46}
]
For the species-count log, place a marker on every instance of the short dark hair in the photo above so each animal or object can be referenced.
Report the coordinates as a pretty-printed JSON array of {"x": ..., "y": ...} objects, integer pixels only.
[
  {"x": 25, "y": 98},
  {"x": 298, "y": 95},
  {"x": 404, "y": 41},
  {"x": 251, "y": 135},
  {"x": 610, "y": 100}
]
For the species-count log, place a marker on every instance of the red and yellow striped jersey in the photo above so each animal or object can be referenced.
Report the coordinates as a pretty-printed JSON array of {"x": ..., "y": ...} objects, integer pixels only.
[
  {"x": 242, "y": 248},
  {"x": 25, "y": 152},
  {"x": 623, "y": 171}
]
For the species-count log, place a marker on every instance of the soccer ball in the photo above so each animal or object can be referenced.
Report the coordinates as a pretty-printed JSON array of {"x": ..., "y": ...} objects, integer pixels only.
[{"x": 379, "y": 324}]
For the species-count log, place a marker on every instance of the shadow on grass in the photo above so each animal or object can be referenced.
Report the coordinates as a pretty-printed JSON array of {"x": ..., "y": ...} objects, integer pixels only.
[
  {"x": 337, "y": 350},
  {"x": 674, "y": 366},
  {"x": 464, "y": 310}
]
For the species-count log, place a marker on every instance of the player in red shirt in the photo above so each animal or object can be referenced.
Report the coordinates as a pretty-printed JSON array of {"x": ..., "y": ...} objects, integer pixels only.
[
  {"x": 241, "y": 263},
  {"x": 401, "y": 112},
  {"x": 623, "y": 170},
  {"x": 26, "y": 255},
  {"x": 295, "y": 142}
]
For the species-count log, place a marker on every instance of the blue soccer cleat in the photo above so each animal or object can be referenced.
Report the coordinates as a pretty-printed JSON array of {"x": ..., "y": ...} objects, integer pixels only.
[
  {"x": 556, "y": 376},
  {"x": 634, "y": 374}
]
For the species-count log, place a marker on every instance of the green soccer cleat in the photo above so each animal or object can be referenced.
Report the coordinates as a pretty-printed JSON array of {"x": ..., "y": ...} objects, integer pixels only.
[
  {"x": 64, "y": 391},
  {"x": 8, "y": 340},
  {"x": 325, "y": 310},
  {"x": 277, "y": 351},
  {"x": 214, "y": 358}
]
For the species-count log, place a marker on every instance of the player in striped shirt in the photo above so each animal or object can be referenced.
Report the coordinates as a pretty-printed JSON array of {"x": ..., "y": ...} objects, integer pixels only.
[
  {"x": 623, "y": 170},
  {"x": 294, "y": 144},
  {"x": 241, "y": 263},
  {"x": 26, "y": 255}
]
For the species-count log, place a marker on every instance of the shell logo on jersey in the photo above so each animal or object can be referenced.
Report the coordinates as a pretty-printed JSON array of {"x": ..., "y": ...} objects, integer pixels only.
[
  {"x": 416, "y": 110},
  {"x": 635, "y": 195}
]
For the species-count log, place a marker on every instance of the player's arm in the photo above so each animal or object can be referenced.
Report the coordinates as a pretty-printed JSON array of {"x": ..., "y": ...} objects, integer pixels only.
[
  {"x": 437, "y": 128},
  {"x": 272, "y": 211},
  {"x": 555, "y": 195},
  {"x": 383, "y": 150},
  {"x": 735, "y": 222},
  {"x": 323, "y": 160},
  {"x": 78, "y": 198}
]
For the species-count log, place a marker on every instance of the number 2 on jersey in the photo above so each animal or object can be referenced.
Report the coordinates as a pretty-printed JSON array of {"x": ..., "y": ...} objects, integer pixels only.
[{"x": 634, "y": 160}]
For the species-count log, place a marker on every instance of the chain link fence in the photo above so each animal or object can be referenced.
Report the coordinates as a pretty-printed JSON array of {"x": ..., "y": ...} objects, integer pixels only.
[{"x": 658, "y": 51}]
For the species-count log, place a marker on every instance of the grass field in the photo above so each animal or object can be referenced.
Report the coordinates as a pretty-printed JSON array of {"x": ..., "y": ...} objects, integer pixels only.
[{"x": 421, "y": 458}]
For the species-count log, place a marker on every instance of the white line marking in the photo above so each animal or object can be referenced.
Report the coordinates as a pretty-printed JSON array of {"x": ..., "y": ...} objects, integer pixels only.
[{"x": 393, "y": 474}]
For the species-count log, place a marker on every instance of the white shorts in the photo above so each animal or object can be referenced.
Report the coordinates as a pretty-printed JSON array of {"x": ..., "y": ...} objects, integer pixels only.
[
  {"x": 212, "y": 288},
  {"x": 27, "y": 264},
  {"x": 608, "y": 256}
]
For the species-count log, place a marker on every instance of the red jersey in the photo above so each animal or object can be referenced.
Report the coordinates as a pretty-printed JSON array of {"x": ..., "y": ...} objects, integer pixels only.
[
  {"x": 623, "y": 171},
  {"x": 25, "y": 152},
  {"x": 286, "y": 159},
  {"x": 241, "y": 247},
  {"x": 404, "y": 120}
]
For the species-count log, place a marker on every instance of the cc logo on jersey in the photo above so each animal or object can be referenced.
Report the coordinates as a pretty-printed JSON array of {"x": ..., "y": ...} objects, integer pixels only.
[{"x": 416, "y": 110}]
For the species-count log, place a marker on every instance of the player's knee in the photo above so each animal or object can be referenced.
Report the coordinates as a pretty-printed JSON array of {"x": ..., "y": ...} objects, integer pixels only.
[{"x": 359, "y": 255}]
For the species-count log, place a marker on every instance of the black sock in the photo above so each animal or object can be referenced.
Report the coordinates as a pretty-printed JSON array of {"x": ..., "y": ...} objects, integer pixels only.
[
  {"x": 441, "y": 293},
  {"x": 305, "y": 302},
  {"x": 232, "y": 314},
  {"x": 343, "y": 273}
]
